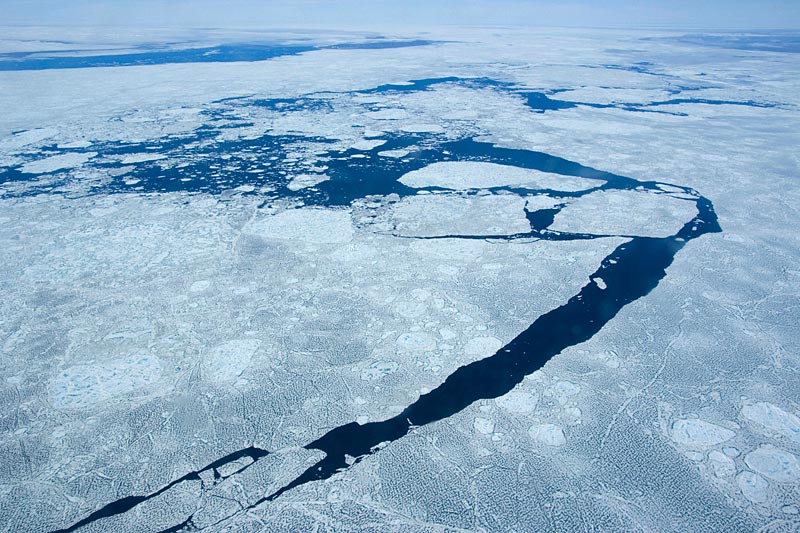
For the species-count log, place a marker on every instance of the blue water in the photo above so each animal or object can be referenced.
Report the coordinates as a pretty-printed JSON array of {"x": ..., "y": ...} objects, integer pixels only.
[
  {"x": 630, "y": 272},
  {"x": 783, "y": 42},
  {"x": 211, "y": 54}
]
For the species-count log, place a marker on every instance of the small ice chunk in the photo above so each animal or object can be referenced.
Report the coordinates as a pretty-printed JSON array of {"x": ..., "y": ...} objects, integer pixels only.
[
  {"x": 368, "y": 144},
  {"x": 774, "y": 463},
  {"x": 518, "y": 402},
  {"x": 773, "y": 418},
  {"x": 599, "y": 282},
  {"x": 483, "y": 426},
  {"x": 394, "y": 153},
  {"x": 200, "y": 286},
  {"x": 141, "y": 158},
  {"x": 303, "y": 181},
  {"x": 482, "y": 346},
  {"x": 722, "y": 465},
  {"x": 57, "y": 162},
  {"x": 754, "y": 487},
  {"x": 549, "y": 434},
  {"x": 226, "y": 362},
  {"x": 696, "y": 433}
]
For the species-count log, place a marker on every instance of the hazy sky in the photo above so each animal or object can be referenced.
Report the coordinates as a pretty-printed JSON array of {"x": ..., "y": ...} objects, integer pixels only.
[{"x": 679, "y": 14}]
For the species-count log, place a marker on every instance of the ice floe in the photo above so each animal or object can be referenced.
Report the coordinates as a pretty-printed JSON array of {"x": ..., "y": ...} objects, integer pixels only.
[
  {"x": 624, "y": 213},
  {"x": 548, "y": 434},
  {"x": 480, "y": 175},
  {"x": 438, "y": 215},
  {"x": 304, "y": 181},
  {"x": 57, "y": 162},
  {"x": 518, "y": 401},
  {"x": 753, "y": 487},
  {"x": 697, "y": 433},
  {"x": 774, "y": 419},
  {"x": 774, "y": 463},
  {"x": 224, "y": 363},
  {"x": 141, "y": 158}
]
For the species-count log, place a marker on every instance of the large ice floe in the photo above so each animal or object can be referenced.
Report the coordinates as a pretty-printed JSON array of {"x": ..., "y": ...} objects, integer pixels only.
[{"x": 349, "y": 286}]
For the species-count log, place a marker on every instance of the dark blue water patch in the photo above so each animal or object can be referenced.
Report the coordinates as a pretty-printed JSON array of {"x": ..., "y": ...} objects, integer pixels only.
[
  {"x": 428, "y": 83},
  {"x": 630, "y": 272},
  {"x": 706, "y": 101},
  {"x": 212, "y": 54},
  {"x": 383, "y": 44},
  {"x": 541, "y": 219},
  {"x": 638, "y": 68},
  {"x": 287, "y": 105},
  {"x": 782, "y": 42},
  {"x": 541, "y": 102}
]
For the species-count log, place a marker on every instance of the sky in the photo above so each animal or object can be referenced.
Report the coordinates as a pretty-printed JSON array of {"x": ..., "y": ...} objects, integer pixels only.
[{"x": 380, "y": 14}]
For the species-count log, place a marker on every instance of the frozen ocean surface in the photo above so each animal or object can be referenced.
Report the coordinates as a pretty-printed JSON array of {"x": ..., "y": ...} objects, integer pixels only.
[{"x": 338, "y": 284}]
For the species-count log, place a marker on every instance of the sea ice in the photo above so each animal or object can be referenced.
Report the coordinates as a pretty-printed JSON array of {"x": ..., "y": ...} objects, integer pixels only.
[
  {"x": 367, "y": 145},
  {"x": 313, "y": 226},
  {"x": 87, "y": 385}
]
